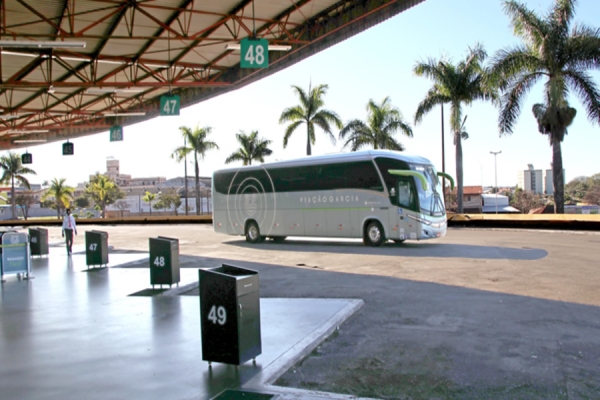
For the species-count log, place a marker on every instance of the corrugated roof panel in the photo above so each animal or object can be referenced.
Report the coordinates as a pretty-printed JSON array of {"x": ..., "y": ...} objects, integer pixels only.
[{"x": 21, "y": 20}]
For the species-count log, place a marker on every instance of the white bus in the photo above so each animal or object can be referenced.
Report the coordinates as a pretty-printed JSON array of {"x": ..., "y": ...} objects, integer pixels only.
[{"x": 376, "y": 195}]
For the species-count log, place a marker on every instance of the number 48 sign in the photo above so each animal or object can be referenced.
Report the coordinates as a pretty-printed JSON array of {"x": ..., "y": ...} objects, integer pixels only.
[{"x": 254, "y": 53}]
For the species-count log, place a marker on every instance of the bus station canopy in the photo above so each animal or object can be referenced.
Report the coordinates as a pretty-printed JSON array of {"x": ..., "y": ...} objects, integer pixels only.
[{"x": 71, "y": 68}]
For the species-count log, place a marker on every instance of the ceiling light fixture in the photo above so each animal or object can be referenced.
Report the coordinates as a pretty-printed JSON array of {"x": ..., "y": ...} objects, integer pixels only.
[
  {"x": 104, "y": 90},
  {"x": 272, "y": 47},
  {"x": 29, "y": 141},
  {"x": 121, "y": 114},
  {"x": 28, "y": 131},
  {"x": 41, "y": 45},
  {"x": 7, "y": 117}
]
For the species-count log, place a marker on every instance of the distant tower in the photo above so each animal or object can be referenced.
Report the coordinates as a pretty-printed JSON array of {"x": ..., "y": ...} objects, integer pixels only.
[{"x": 112, "y": 168}]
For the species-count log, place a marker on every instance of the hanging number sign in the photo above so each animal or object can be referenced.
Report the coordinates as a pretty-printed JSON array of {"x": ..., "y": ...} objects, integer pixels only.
[
  {"x": 68, "y": 149},
  {"x": 254, "y": 53},
  {"x": 169, "y": 105},
  {"x": 116, "y": 133},
  {"x": 26, "y": 158}
]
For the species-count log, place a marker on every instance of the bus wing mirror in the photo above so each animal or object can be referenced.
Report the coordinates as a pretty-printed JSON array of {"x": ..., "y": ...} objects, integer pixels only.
[
  {"x": 415, "y": 174},
  {"x": 444, "y": 175}
]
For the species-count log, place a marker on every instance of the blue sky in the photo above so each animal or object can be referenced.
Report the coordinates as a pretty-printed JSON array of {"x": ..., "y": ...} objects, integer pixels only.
[{"x": 374, "y": 64}]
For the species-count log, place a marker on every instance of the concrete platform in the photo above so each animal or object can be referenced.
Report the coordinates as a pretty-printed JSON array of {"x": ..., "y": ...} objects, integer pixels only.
[{"x": 76, "y": 333}]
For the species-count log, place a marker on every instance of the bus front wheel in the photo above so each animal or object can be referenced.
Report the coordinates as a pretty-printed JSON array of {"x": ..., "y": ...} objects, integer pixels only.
[
  {"x": 253, "y": 233},
  {"x": 374, "y": 235}
]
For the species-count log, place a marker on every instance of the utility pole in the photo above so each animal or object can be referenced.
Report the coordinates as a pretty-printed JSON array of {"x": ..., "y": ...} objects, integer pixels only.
[
  {"x": 185, "y": 173},
  {"x": 495, "y": 153},
  {"x": 443, "y": 159}
]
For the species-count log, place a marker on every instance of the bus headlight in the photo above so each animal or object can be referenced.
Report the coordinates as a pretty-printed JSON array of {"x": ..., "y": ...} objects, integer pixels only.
[{"x": 421, "y": 220}]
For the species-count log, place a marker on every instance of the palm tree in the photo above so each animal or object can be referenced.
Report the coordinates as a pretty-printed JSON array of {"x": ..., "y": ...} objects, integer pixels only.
[
  {"x": 149, "y": 198},
  {"x": 61, "y": 193},
  {"x": 104, "y": 191},
  {"x": 252, "y": 148},
  {"x": 309, "y": 112},
  {"x": 383, "y": 121},
  {"x": 13, "y": 169},
  {"x": 198, "y": 144},
  {"x": 455, "y": 84},
  {"x": 553, "y": 51}
]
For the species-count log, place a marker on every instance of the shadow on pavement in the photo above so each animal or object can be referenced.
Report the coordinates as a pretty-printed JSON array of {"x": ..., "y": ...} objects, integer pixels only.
[
  {"x": 442, "y": 250},
  {"x": 429, "y": 340}
]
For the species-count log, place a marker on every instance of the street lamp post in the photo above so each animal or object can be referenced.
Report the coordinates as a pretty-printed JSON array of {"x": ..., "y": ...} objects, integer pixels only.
[
  {"x": 495, "y": 153},
  {"x": 185, "y": 173}
]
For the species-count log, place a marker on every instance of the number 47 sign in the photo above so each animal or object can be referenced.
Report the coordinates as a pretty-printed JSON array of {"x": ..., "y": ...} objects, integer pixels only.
[
  {"x": 169, "y": 105},
  {"x": 254, "y": 53}
]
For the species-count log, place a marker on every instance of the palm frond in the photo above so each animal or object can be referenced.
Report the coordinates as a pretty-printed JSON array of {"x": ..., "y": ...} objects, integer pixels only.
[
  {"x": 354, "y": 127},
  {"x": 237, "y": 156},
  {"x": 562, "y": 14},
  {"x": 526, "y": 23},
  {"x": 292, "y": 114},
  {"x": 323, "y": 122},
  {"x": 329, "y": 116},
  {"x": 510, "y": 103},
  {"x": 586, "y": 91},
  {"x": 289, "y": 130},
  {"x": 432, "y": 99},
  {"x": 304, "y": 99}
]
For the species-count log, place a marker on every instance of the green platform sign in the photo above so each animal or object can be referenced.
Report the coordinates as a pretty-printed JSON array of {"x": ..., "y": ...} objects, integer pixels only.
[
  {"x": 169, "y": 105},
  {"x": 254, "y": 53},
  {"x": 116, "y": 133},
  {"x": 26, "y": 158},
  {"x": 68, "y": 149}
]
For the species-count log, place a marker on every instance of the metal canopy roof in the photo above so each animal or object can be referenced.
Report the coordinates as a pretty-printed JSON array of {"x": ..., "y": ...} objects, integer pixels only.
[{"x": 137, "y": 50}]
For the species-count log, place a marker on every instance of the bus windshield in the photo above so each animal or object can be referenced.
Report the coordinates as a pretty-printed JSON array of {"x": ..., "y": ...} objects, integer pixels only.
[{"x": 430, "y": 201}]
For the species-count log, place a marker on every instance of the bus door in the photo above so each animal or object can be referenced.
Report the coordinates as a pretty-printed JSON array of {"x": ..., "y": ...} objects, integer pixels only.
[{"x": 407, "y": 204}]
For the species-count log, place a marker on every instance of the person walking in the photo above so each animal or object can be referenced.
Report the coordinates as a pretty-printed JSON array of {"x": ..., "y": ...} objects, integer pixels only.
[{"x": 68, "y": 227}]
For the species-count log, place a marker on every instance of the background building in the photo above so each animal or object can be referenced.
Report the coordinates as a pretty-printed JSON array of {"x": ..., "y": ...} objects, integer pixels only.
[{"x": 530, "y": 180}]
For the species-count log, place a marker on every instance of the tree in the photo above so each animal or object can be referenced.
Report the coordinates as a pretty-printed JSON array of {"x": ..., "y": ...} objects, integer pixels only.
[
  {"x": 561, "y": 55},
  {"x": 252, "y": 148},
  {"x": 383, "y": 120},
  {"x": 197, "y": 143},
  {"x": 311, "y": 113},
  {"x": 61, "y": 193},
  {"x": 149, "y": 198},
  {"x": 122, "y": 206},
  {"x": 459, "y": 85},
  {"x": 169, "y": 200},
  {"x": 82, "y": 202},
  {"x": 25, "y": 200},
  {"x": 14, "y": 170},
  {"x": 526, "y": 201},
  {"x": 103, "y": 191}
]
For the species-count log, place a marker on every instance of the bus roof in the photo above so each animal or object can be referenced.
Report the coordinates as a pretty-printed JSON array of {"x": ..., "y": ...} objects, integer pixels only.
[{"x": 338, "y": 157}]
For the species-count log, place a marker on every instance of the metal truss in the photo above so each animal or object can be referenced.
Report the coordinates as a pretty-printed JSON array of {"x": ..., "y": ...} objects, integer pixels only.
[{"x": 144, "y": 49}]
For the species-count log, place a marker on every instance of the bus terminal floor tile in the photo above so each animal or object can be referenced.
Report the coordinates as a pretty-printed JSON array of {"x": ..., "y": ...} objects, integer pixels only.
[{"x": 66, "y": 334}]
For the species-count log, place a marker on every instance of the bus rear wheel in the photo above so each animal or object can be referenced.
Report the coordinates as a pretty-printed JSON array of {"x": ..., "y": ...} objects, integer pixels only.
[
  {"x": 374, "y": 235},
  {"x": 253, "y": 233}
]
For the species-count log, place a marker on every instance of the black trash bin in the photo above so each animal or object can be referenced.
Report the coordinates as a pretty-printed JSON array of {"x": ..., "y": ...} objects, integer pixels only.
[
  {"x": 96, "y": 248},
  {"x": 38, "y": 241},
  {"x": 164, "y": 261},
  {"x": 229, "y": 314}
]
